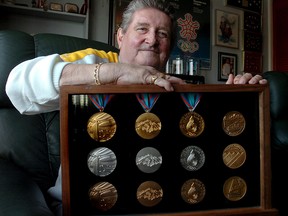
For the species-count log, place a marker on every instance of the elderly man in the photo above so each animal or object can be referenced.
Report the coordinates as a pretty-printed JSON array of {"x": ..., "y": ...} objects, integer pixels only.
[{"x": 145, "y": 40}]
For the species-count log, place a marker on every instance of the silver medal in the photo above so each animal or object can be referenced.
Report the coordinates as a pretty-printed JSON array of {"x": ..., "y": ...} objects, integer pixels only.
[
  {"x": 101, "y": 161},
  {"x": 192, "y": 158},
  {"x": 148, "y": 160}
]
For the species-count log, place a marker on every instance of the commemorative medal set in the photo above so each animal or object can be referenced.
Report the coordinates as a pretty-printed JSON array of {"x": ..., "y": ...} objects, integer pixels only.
[{"x": 156, "y": 152}]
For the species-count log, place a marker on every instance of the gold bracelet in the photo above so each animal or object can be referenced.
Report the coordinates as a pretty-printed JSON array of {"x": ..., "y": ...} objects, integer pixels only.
[{"x": 96, "y": 73}]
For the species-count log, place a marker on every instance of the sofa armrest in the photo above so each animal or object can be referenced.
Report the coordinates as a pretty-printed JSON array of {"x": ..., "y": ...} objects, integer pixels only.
[
  {"x": 278, "y": 82},
  {"x": 19, "y": 195}
]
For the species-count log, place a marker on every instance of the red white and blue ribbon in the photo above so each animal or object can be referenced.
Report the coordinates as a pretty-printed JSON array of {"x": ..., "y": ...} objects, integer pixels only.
[
  {"x": 147, "y": 100},
  {"x": 191, "y": 100},
  {"x": 100, "y": 100}
]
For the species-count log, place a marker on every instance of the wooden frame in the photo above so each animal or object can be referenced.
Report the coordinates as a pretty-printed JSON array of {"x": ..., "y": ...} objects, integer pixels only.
[
  {"x": 227, "y": 64},
  {"x": 257, "y": 95},
  {"x": 226, "y": 29}
]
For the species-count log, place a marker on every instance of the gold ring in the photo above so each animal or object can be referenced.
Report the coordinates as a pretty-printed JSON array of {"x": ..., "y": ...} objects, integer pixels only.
[
  {"x": 153, "y": 79},
  {"x": 167, "y": 77}
]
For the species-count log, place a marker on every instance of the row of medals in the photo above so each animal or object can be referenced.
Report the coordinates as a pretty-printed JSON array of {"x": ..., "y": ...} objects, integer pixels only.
[{"x": 102, "y": 161}]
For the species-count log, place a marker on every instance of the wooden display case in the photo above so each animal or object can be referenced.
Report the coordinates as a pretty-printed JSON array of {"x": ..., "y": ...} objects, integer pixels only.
[{"x": 212, "y": 102}]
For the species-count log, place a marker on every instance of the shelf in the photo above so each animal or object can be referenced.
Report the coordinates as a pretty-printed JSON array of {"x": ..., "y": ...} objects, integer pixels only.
[{"x": 15, "y": 9}]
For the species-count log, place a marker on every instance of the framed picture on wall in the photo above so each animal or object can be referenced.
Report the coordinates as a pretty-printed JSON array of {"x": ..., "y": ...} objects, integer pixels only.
[
  {"x": 227, "y": 64},
  {"x": 226, "y": 29},
  {"x": 252, "y": 62},
  {"x": 251, "y": 5}
]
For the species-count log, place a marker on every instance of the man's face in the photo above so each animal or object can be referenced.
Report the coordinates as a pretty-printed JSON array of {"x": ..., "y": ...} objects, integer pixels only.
[{"x": 147, "y": 40}]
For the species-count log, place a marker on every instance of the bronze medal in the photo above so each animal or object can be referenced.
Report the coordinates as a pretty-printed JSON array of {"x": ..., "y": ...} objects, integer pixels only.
[
  {"x": 234, "y": 188},
  {"x": 103, "y": 196},
  {"x": 193, "y": 191},
  {"x": 148, "y": 125},
  {"x": 149, "y": 193},
  {"x": 101, "y": 127},
  {"x": 234, "y": 156},
  {"x": 192, "y": 124},
  {"x": 233, "y": 123}
]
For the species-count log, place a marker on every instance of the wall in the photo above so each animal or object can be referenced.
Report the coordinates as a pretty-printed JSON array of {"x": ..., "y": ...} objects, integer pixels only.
[{"x": 99, "y": 20}]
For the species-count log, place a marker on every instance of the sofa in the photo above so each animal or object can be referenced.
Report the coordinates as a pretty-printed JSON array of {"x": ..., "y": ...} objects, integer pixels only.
[
  {"x": 29, "y": 144},
  {"x": 278, "y": 83}
]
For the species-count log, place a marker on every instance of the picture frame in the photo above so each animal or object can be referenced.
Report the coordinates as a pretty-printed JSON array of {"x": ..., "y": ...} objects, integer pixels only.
[
  {"x": 227, "y": 64},
  {"x": 252, "y": 62},
  {"x": 226, "y": 29},
  {"x": 252, "y": 22},
  {"x": 255, "y": 6},
  {"x": 252, "y": 41}
]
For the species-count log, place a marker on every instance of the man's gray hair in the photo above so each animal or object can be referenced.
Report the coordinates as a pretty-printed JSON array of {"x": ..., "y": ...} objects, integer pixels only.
[{"x": 136, "y": 5}]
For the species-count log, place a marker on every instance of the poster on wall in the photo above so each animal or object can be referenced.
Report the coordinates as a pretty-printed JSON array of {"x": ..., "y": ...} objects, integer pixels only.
[{"x": 192, "y": 33}]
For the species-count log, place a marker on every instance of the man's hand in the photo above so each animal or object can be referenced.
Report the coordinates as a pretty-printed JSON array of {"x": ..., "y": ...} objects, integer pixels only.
[{"x": 246, "y": 78}]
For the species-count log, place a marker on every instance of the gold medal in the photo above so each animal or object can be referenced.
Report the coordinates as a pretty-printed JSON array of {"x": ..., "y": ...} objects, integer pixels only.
[
  {"x": 233, "y": 123},
  {"x": 101, "y": 127},
  {"x": 234, "y": 188},
  {"x": 192, "y": 124},
  {"x": 148, "y": 125},
  {"x": 234, "y": 156}
]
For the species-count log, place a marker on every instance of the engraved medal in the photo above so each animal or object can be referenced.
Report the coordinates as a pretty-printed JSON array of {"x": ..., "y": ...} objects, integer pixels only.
[
  {"x": 234, "y": 156},
  {"x": 149, "y": 193},
  {"x": 103, "y": 196},
  {"x": 101, "y": 161},
  {"x": 147, "y": 125},
  {"x": 192, "y": 158},
  {"x": 148, "y": 160},
  {"x": 233, "y": 123},
  {"x": 234, "y": 188},
  {"x": 101, "y": 126},
  {"x": 191, "y": 124},
  {"x": 193, "y": 191}
]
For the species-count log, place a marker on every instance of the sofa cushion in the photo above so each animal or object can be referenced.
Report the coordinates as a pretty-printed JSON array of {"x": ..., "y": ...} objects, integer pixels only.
[
  {"x": 32, "y": 142},
  {"x": 278, "y": 82},
  {"x": 46, "y": 44},
  {"x": 279, "y": 134},
  {"x": 16, "y": 47},
  {"x": 19, "y": 195}
]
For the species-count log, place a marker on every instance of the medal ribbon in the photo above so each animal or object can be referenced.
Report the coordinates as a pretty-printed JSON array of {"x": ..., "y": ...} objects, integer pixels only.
[
  {"x": 100, "y": 100},
  {"x": 147, "y": 100},
  {"x": 191, "y": 100}
]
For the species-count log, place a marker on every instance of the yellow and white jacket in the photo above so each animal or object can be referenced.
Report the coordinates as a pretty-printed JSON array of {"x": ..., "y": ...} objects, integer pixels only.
[{"x": 33, "y": 85}]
